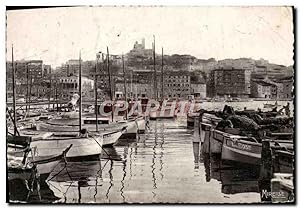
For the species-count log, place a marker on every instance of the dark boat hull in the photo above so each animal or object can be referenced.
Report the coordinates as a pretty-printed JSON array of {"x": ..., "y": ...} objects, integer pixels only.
[{"x": 241, "y": 151}]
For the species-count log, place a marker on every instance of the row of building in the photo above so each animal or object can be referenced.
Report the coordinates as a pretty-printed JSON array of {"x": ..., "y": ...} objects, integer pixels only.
[
  {"x": 182, "y": 75},
  {"x": 222, "y": 82},
  {"x": 230, "y": 82}
]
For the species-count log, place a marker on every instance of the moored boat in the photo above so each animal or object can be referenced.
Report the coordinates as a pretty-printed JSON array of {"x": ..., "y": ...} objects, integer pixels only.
[
  {"x": 241, "y": 150},
  {"x": 22, "y": 162},
  {"x": 248, "y": 150},
  {"x": 89, "y": 123},
  {"x": 85, "y": 146},
  {"x": 283, "y": 161}
]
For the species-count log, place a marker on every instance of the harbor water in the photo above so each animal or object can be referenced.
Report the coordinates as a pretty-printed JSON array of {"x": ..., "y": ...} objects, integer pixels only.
[{"x": 157, "y": 167}]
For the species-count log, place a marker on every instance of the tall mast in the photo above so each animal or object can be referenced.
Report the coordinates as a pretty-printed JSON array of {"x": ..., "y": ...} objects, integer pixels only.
[
  {"x": 14, "y": 89},
  {"x": 80, "y": 98},
  {"x": 131, "y": 75},
  {"x": 49, "y": 91},
  {"x": 95, "y": 87},
  {"x": 162, "y": 73},
  {"x": 27, "y": 83},
  {"x": 30, "y": 87},
  {"x": 155, "y": 87},
  {"x": 110, "y": 86},
  {"x": 109, "y": 74},
  {"x": 124, "y": 77}
]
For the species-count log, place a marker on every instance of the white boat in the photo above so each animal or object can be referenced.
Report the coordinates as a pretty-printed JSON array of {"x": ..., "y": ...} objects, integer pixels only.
[
  {"x": 21, "y": 161},
  {"x": 89, "y": 123},
  {"x": 111, "y": 138},
  {"x": 52, "y": 143}
]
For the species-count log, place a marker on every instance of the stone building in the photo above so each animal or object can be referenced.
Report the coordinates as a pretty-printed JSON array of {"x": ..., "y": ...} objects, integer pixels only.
[
  {"x": 68, "y": 85},
  {"x": 231, "y": 82},
  {"x": 281, "y": 88},
  {"x": 198, "y": 90},
  {"x": 29, "y": 76},
  {"x": 285, "y": 88},
  {"x": 177, "y": 84},
  {"x": 262, "y": 89},
  {"x": 134, "y": 90},
  {"x": 198, "y": 85}
]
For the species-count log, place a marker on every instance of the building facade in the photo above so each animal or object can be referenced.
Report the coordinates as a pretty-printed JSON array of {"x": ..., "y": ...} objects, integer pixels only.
[
  {"x": 67, "y": 86},
  {"x": 134, "y": 90},
  {"x": 272, "y": 88},
  {"x": 177, "y": 84},
  {"x": 262, "y": 89},
  {"x": 29, "y": 77},
  {"x": 231, "y": 82},
  {"x": 198, "y": 90},
  {"x": 285, "y": 88}
]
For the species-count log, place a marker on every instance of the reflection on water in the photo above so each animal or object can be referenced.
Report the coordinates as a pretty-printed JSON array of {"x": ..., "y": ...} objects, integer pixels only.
[
  {"x": 234, "y": 178},
  {"x": 19, "y": 192},
  {"x": 157, "y": 167}
]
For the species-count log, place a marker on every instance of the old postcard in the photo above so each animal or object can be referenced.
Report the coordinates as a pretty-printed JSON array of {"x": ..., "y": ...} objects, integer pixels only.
[{"x": 150, "y": 104}]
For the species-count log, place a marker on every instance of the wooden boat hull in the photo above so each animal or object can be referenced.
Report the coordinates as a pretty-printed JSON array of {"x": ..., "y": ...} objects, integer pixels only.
[
  {"x": 111, "y": 138},
  {"x": 241, "y": 151},
  {"x": 283, "y": 162},
  {"x": 213, "y": 139},
  {"x": 82, "y": 147},
  {"x": 131, "y": 129},
  {"x": 216, "y": 141},
  {"x": 205, "y": 137},
  {"x": 44, "y": 165}
]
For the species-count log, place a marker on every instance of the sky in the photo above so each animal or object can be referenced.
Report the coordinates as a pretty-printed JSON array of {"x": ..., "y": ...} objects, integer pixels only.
[{"x": 56, "y": 35}]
